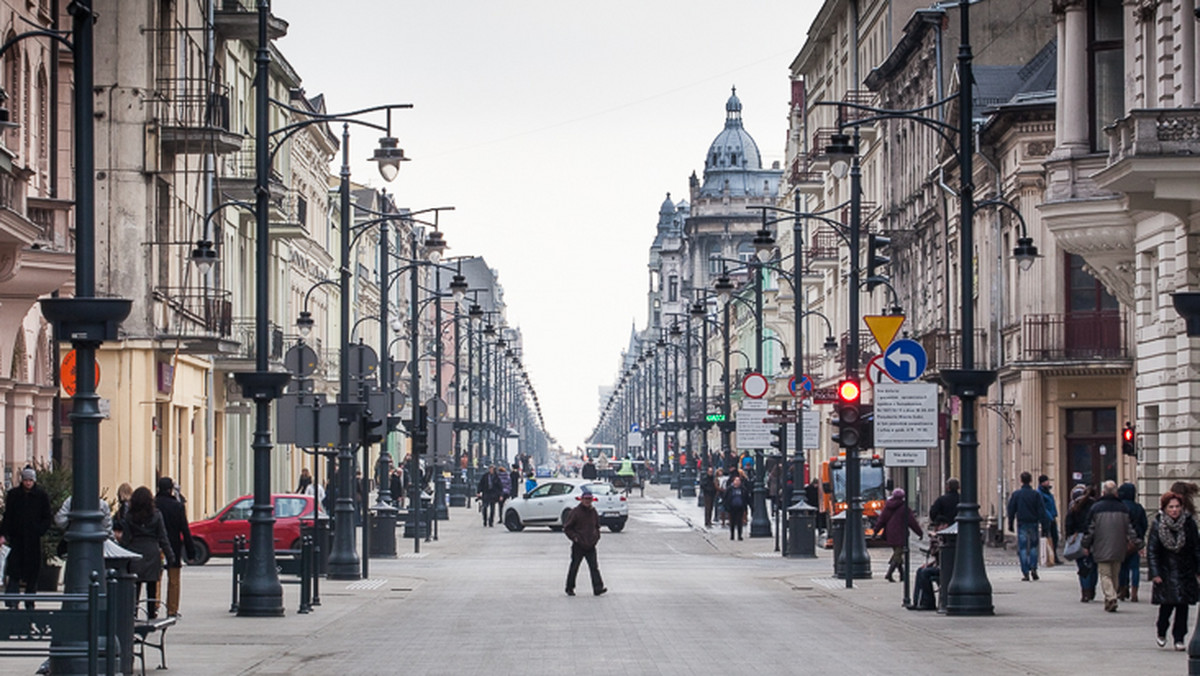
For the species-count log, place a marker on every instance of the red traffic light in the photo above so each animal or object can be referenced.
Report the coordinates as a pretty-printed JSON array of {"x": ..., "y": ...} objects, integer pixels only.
[
  {"x": 1127, "y": 434},
  {"x": 849, "y": 391}
]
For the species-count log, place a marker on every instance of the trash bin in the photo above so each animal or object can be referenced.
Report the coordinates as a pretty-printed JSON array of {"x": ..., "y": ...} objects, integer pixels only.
[
  {"x": 837, "y": 530},
  {"x": 411, "y": 529},
  {"x": 117, "y": 558},
  {"x": 687, "y": 484},
  {"x": 802, "y": 531},
  {"x": 458, "y": 490},
  {"x": 321, "y": 530},
  {"x": 948, "y": 540},
  {"x": 440, "y": 501},
  {"x": 383, "y": 531}
]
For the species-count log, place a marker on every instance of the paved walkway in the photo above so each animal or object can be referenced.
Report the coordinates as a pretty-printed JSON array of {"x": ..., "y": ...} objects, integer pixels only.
[{"x": 683, "y": 600}]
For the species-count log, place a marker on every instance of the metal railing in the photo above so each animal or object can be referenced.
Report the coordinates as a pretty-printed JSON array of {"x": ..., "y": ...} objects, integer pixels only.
[
  {"x": 243, "y": 332},
  {"x": 192, "y": 103},
  {"x": 943, "y": 349},
  {"x": 1077, "y": 336},
  {"x": 193, "y": 311}
]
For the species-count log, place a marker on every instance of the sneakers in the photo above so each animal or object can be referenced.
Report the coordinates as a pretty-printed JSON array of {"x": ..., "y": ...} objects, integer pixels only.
[
  {"x": 1110, "y": 605},
  {"x": 1180, "y": 646},
  {"x": 1161, "y": 641},
  {"x": 1034, "y": 575}
]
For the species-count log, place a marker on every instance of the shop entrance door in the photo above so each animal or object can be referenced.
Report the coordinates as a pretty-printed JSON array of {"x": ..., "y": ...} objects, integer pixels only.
[{"x": 1092, "y": 446}]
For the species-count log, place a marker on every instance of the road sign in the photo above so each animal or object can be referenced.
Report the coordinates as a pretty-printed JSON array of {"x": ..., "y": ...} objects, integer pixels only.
[
  {"x": 906, "y": 457},
  {"x": 751, "y": 431},
  {"x": 824, "y": 395},
  {"x": 884, "y": 328},
  {"x": 906, "y": 415},
  {"x": 633, "y": 427},
  {"x": 66, "y": 374},
  {"x": 876, "y": 373},
  {"x": 755, "y": 385},
  {"x": 779, "y": 419},
  {"x": 803, "y": 386},
  {"x": 904, "y": 360}
]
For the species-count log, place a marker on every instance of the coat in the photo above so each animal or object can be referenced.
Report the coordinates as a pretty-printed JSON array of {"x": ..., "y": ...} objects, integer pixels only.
[
  {"x": 150, "y": 540},
  {"x": 1109, "y": 532},
  {"x": 1177, "y": 569},
  {"x": 895, "y": 520},
  {"x": 489, "y": 487},
  {"x": 582, "y": 526},
  {"x": 175, "y": 520},
  {"x": 27, "y": 517},
  {"x": 945, "y": 509}
]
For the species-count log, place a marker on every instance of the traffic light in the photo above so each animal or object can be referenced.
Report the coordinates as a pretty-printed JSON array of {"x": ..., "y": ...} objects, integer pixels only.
[
  {"x": 849, "y": 413},
  {"x": 779, "y": 440},
  {"x": 875, "y": 259},
  {"x": 420, "y": 435},
  {"x": 1128, "y": 447},
  {"x": 866, "y": 416},
  {"x": 372, "y": 428}
]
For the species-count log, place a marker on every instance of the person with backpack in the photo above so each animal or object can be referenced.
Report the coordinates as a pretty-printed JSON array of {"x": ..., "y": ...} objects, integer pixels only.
[{"x": 737, "y": 499}]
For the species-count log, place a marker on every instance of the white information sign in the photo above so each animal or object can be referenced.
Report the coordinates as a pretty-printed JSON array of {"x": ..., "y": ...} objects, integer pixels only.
[
  {"x": 635, "y": 440},
  {"x": 906, "y": 457},
  {"x": 751, "y": 431},
  {"x": 906, "y": 415},
  {"x": 811, "y": 430}
]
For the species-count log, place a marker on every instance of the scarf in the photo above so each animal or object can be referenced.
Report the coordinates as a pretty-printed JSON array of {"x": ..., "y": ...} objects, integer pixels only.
[{"x": 1170, "y": 532}]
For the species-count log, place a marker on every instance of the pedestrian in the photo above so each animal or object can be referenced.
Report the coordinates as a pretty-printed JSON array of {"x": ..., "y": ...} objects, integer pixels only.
[
  {"x": 722, "y": 481},
  {"x": 895, "y": 521},
  {"x": 530, "y": 482},
  {"x": 516, "y": 479},
  {"x": 582, "y": 527},
  {"x": 738, "y": 499},
  {"x": 1187, "y": 492},
  {"x": 124, "y": 491},
  {"x": 1025, "y": 506},
  {"x": 27, "y": 517},
  {"x": 1050, "y": 524},
  {"x": 1076, "y": 521},
  {"x": 1109, "y": 538},
  {"x": 505, "y": 488},
  {"x": 1131, "y": 568},
  {"x": 589, "y": 470},
  {"x": 396, "y": 486},
  {"x": 1173, "y": 558},
  {"x": 305, "y": 481},
  {"x": 708, "y": 490},
  {"x": 174, "y": 518},
  {"x": 944, "y": 510},
  {"x": 488, "y": 493},
  {"x": 146, "y": 534}
]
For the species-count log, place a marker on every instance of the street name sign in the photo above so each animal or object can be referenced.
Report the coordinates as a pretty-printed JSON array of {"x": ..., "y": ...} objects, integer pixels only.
[
  {"x": 906, "y": 415},
  {"x": 824, "y": 395}
]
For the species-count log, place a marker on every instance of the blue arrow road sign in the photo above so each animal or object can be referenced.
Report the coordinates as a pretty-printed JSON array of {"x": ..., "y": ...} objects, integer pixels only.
[
  {"x": 904, "y": 360},
  {"x": 634, "y": 428}
]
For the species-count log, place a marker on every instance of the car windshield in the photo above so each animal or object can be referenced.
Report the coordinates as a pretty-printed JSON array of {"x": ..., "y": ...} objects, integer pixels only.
[
  {"x": 600, "y": 489},
  {"x": 239, "y": 511},
  {"x": 872, "y": 483}
]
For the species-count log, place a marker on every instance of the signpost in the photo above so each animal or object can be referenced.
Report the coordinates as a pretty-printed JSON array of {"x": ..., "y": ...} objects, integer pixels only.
[
  {"x": 825, "y": 395},
  {"x": 66, "y": 374},
  {"x": 906, "y": 457},
  {"x": 755, "y": 385},
  {"x": 751, "y": 431},
  {"x": 906, "y": 415},
  {"x": 904, "y": 360}
]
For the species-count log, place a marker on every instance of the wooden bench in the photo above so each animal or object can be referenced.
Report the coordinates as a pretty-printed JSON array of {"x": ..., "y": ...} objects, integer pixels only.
[{"x": 144, "y": 628}]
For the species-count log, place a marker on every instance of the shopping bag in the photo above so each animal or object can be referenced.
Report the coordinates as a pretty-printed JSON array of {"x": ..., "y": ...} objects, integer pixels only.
[
  {"x": 4, "y": 549},
  {"x": 1046, "y": 553}
]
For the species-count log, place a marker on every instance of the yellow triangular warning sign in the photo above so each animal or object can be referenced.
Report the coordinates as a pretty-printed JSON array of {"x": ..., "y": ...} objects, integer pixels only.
[{"x": 884, "y": 328}]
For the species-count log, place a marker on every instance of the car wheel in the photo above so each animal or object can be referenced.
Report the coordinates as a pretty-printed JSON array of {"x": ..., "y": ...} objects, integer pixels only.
[
  {"x": 202, "y": 553},
  {"x": 617, "y": 527},
  {"x": 559, "y": 526},
  {"x": 512, "y": 521}
]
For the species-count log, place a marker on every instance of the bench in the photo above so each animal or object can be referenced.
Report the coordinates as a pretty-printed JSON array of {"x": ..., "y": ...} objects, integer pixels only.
[
  {"x": 146, "y": 627},
  {"x": 78, "y": 617}
]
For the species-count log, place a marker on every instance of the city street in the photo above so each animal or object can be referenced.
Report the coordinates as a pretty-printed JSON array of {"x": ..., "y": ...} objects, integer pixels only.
[{"x": 682, "y": 600}]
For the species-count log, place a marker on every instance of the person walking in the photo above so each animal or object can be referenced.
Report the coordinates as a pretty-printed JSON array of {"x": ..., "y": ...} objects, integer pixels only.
[
  {"x": 124, "y": 492},
  {"x": 1050, "y": 524},
  {"x": 895, "y": 521},
  {"x": 582, "y": 528},
  {"x": 737, "y": 499},
  {"x": 944, "y": 510},
  {"x": 1076, "y": 521},
  {"x": 305, "y": 481},
  {"x": 1025, "y": 506},
  {"x": 708, "y": 490},
  {"x": 146, "y": 534},
  {"x": 27, "y": 517},
  {"x": 1109, "y": 538},
  {"x": 488, "y": 493},
  {"x": 175, "y": 520},
  {"x": 1173, "y": 561},
  {"x": 589, "y": 470},
  {"x": 1131, "y": 568}
]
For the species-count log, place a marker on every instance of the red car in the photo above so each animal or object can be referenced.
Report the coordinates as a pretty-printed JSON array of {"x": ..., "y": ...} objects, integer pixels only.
[{"x": 214, "y": 537}]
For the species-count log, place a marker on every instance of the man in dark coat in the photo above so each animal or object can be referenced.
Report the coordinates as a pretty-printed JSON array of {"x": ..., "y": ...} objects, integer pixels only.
[
  {"x": 488, "y": 493},
  {"x": 583, "y": 528},
  {"x": 178, "y": 534},
  {"x": 894, "y": 522},
  {"x": 27, "y": 517},
  {"x": 1109, "y": 538},
  {"x": 944, "y": 510},
  {"x": 708, "y": 489},
  {"x": 589, "y": 470},
  {"x": 1025, "y": 506}
]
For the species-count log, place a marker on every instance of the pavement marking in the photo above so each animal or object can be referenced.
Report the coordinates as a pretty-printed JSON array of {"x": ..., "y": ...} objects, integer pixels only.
[
  {"x": 413, "y": 555},
  {"x": 367, "y": 584},
  {"x": 833, "y": 584}
]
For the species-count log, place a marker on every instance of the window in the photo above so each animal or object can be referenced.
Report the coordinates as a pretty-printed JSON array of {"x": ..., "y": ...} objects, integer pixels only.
[
  {"x": 1106, "y": 68},
  {"x": 286, "y": 508},
  {"x": 673, "y": 289},
  {"x": 240, "y": 511},
  {"x": 1085, "y": 292},
  {"x": 302, "y": 210}
]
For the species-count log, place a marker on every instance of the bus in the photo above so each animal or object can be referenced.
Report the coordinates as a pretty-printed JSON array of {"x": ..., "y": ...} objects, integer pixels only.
[{"x": 833, "y": 490}]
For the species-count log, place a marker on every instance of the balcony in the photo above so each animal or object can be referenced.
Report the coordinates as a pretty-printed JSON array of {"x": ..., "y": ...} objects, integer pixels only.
[
  {"x": 238, "y": 177},
  {"x": 238, "y": 20},
  {"x": 192, "y": 116},
  {"x": 847, "y": 115},
  {"x": 288, "y": 216},
  {"x": 199, "y": 320},
  {"x": 1075, "y": 337},
  {"x": 943, "y": 350},
  {"x": 242, "y": 332},
  {"x": 824, "y": 248},
  {"x": 804, "y": 177}
]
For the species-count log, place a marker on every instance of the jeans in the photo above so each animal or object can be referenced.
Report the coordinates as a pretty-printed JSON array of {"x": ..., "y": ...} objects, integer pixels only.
[
  {"x": 578, "y": 554},
  {"x": 1088, "y": 575},
  {"x": 1131, "y": 573},
  {"x": 1027, "y": 546}
]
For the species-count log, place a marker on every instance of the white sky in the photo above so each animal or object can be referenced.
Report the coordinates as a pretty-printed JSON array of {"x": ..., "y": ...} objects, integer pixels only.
[{"x": 555, "y": 127}]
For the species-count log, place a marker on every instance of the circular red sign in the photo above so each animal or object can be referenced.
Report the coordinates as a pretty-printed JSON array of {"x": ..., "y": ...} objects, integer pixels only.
[
  {"x": 755, "y": 385},
  {"x": 66, "y": 374}
]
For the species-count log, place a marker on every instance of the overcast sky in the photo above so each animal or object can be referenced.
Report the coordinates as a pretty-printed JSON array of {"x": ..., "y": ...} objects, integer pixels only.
[{"x": 556, "y": 128}]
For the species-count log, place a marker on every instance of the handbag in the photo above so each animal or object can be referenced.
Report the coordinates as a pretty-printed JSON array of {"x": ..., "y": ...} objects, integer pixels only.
[{"x": 1074, "y": 547}]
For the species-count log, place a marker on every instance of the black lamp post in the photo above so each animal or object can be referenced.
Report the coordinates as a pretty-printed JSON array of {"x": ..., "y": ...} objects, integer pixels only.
[{"x": 88, "y": 321}]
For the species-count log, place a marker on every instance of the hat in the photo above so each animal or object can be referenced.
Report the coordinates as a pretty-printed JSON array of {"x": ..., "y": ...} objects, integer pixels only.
[
  {"x": 586, "y": 495},
  {"x": 1078, "y": 490},
  {"x": 898, "y": 493},
  {"x": 28, "y": 473},
  {"x": 1043, "y": 479}
]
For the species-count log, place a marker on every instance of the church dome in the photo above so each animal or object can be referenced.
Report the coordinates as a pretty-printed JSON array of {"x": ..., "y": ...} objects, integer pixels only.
[
  {"x": 733, "y": 148},
  {"x": 667, "y": 208}
]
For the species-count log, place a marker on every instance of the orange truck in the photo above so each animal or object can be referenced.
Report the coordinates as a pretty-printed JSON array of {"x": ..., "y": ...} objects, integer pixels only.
[{"x": 833, "y": 490}]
